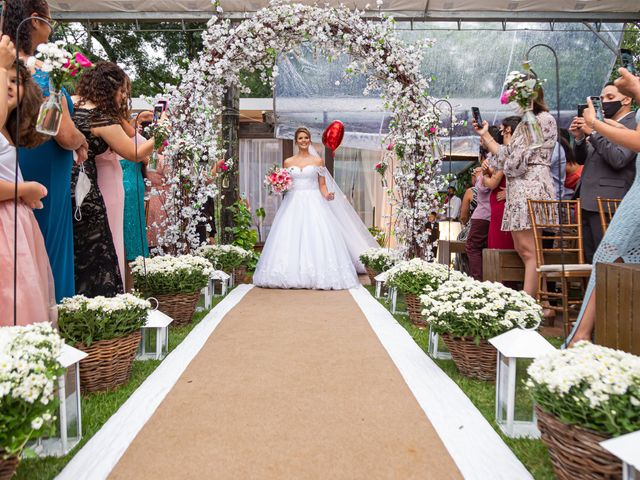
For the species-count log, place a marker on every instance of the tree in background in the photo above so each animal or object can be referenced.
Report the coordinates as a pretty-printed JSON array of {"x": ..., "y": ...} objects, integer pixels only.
[{"x": 152, "y": 53}]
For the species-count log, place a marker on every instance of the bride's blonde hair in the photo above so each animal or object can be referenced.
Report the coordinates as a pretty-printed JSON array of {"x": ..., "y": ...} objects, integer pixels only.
[{"x": 299, "y": 131}]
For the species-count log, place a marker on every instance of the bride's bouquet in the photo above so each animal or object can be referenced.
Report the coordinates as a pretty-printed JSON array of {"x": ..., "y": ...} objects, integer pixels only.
[{"x": 278, "y": 180}]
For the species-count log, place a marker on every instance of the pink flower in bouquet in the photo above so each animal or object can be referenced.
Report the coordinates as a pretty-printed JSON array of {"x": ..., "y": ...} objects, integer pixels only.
[
  {"x": 432, "y": 130},
  {"x": 378, "y": 165},
  {"x": 506, "y": 95},
  {"x": 390, "y": 147},
  {"x": 224, "y": 167},
  {"x": 83, "y": 61}
]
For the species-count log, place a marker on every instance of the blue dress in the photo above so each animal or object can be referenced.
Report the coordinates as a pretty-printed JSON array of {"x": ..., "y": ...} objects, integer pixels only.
[
  {"x": 50, "y": 165},
  {"x": 135, "y": 229},
  {"x": 621, "y": 240}
]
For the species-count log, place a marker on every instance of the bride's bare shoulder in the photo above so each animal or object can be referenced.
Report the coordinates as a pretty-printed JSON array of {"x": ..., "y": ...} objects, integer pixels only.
[
  {"x": 288, "y": 161},
  {"x": 317, "y": 162}
]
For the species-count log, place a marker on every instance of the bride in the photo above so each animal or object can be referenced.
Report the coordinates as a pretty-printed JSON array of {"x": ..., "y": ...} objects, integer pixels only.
[{"x": 316, "y": 236}]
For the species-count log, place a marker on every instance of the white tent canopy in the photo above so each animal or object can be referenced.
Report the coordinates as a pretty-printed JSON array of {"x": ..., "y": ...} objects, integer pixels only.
[{"x": 507, "y": 10}]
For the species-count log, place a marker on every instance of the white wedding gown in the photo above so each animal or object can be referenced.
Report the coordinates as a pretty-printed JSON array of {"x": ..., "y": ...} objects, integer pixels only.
[{"x": 306, "y": 247}]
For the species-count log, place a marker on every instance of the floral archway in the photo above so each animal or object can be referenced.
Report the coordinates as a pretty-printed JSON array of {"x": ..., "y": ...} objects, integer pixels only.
[{"x": 393, "y": 67}]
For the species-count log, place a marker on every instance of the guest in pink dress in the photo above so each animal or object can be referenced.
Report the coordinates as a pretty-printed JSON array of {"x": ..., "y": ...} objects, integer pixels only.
[
  {"x": 110, "y": 184},
  {"x": 35, "y": 292},
  {"x": 156, "y": 213}
]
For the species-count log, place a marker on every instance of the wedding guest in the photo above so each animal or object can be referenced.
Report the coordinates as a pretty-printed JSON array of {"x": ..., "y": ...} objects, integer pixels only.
[
  {"x": 156, "y": 221},
  {"x": 620, "y": 242},
  {"x": 434, "y": 234},
  {"x": 481, "y": 216},
  {"x": 50, "y": 163},
  {"x": 479, "y": 229},
  {"x": 609, "y": 169},
  {"x": 452, "y": 204},
  {"x": 528, "y": 178},
  {"x": 469, "y": 203},
  {"x": 98, "y": 116},
  {"x": 35, "y": 293},
  {"x": 135, "y": 228},
  {"x": 497, "y": 182}
]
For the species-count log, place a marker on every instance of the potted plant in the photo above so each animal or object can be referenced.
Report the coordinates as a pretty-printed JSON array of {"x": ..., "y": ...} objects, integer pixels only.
[
  {"x": 415, "y": 277},
  {"x": 108, "y": 330},
  {"x": 379, "y": 235},
  {"x": 378, "y": 260},
  {"x": 28, "y": 370},
  {"x": 228, "y": 258},
  {"x": 585, "y": 395},
  {"x": 175, "y": 282},
  {"x": 466, "y": 313}
]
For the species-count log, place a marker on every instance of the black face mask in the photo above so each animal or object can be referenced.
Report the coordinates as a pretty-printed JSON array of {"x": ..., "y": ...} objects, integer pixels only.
[{"x": 611, "y": 108}]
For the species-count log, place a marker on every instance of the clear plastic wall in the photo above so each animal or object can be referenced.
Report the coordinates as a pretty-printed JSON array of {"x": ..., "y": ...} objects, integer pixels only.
[{"x": 468, "y": 67}]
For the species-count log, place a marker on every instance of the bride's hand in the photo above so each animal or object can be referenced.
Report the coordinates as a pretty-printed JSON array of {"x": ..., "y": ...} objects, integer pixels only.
[{"x": 330, "y": 196}]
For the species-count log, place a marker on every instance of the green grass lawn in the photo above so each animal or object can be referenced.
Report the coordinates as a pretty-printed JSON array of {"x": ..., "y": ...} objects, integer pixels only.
[
  {"x": 97, "y": 408},
  {"x": 532, "y": 453}
]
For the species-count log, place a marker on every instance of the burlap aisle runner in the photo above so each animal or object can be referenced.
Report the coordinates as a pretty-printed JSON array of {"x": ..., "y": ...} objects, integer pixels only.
[{"x": 291, "y": 384}]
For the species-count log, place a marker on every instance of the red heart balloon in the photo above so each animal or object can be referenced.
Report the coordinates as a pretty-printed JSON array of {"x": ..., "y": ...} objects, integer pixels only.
[{"x": 332, "y": 136}]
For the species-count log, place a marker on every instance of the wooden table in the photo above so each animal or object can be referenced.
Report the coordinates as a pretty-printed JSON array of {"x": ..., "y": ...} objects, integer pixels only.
[
  {"x": 618, "y": 306},
  {"x": 506, "y": 265},
  {"x": 447, "y": 247}
]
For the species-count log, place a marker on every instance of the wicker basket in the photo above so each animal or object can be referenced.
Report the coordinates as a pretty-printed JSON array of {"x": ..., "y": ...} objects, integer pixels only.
[
  {"x": 372, "y": 275},
  {"x": 239, "y": 274},
  {"x": 109, "y": 362},
  {"x": 179, "y": 306},
  {"x": 415, "y": 307},
  {"x": 8, "y": 466},
  {"x": 474, "y": 361},
  {"x": 575, "y": 451}
]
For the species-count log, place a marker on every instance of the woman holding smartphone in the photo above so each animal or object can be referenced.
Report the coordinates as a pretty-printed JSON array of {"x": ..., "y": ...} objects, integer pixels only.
[
  {"x": 621, "y": 242},
  {"x": 529, "y": 177},
  {"x": 98, "y": 115}
]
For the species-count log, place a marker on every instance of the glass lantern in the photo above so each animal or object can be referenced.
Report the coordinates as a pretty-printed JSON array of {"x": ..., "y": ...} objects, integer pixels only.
[
  {"x": 224, "y": 279},
  {"x": 380, "y": 279},
  {"x": 434, "y": 347},
  {"x": 625, "y": 447},
  {"x": 154, "y": 341},
  {"x": 517, "y": 348},
  {"x": 68, "y": 430}
]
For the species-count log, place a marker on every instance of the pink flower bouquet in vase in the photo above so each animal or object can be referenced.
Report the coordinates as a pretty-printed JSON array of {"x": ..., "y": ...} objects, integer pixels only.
[
  {"x": 61, "y": 65},
  {"x": 278, "y": 180},
  {"x": 521, "y": 90}
]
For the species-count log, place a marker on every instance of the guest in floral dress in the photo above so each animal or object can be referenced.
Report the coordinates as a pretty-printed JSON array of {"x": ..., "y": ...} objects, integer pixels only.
[{"x": 528, "y": 173}]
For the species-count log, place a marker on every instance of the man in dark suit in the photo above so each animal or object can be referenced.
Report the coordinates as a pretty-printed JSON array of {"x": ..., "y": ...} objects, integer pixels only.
[
  {"x": 609, "y": 169},
  {"x": 434, "y": 233}
]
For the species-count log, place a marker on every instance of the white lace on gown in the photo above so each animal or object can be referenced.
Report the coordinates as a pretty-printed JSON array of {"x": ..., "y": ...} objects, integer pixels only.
[{"x": 305, "y": 247}]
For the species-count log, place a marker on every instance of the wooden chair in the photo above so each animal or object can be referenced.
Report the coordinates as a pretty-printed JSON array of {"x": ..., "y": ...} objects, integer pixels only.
[
  {"x": 557, "y": 229},
  {"x": 607, "y": 208}
]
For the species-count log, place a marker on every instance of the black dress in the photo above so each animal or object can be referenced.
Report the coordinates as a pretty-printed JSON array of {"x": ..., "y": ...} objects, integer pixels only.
[{"x": 96, "y": 262}]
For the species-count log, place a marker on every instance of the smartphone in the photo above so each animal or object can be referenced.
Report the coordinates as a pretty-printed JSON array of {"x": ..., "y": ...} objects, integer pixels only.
[
  {"x": 626, "y": 59},
  {"x": 164, "y": 104},
  {"x": 157, "y": 113},
  {"x": 581, "y": 108},
  {"x": 3, "y": 6},
  {"x": 475, "y": 111},
  {"x": 597, "y": 105}
]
